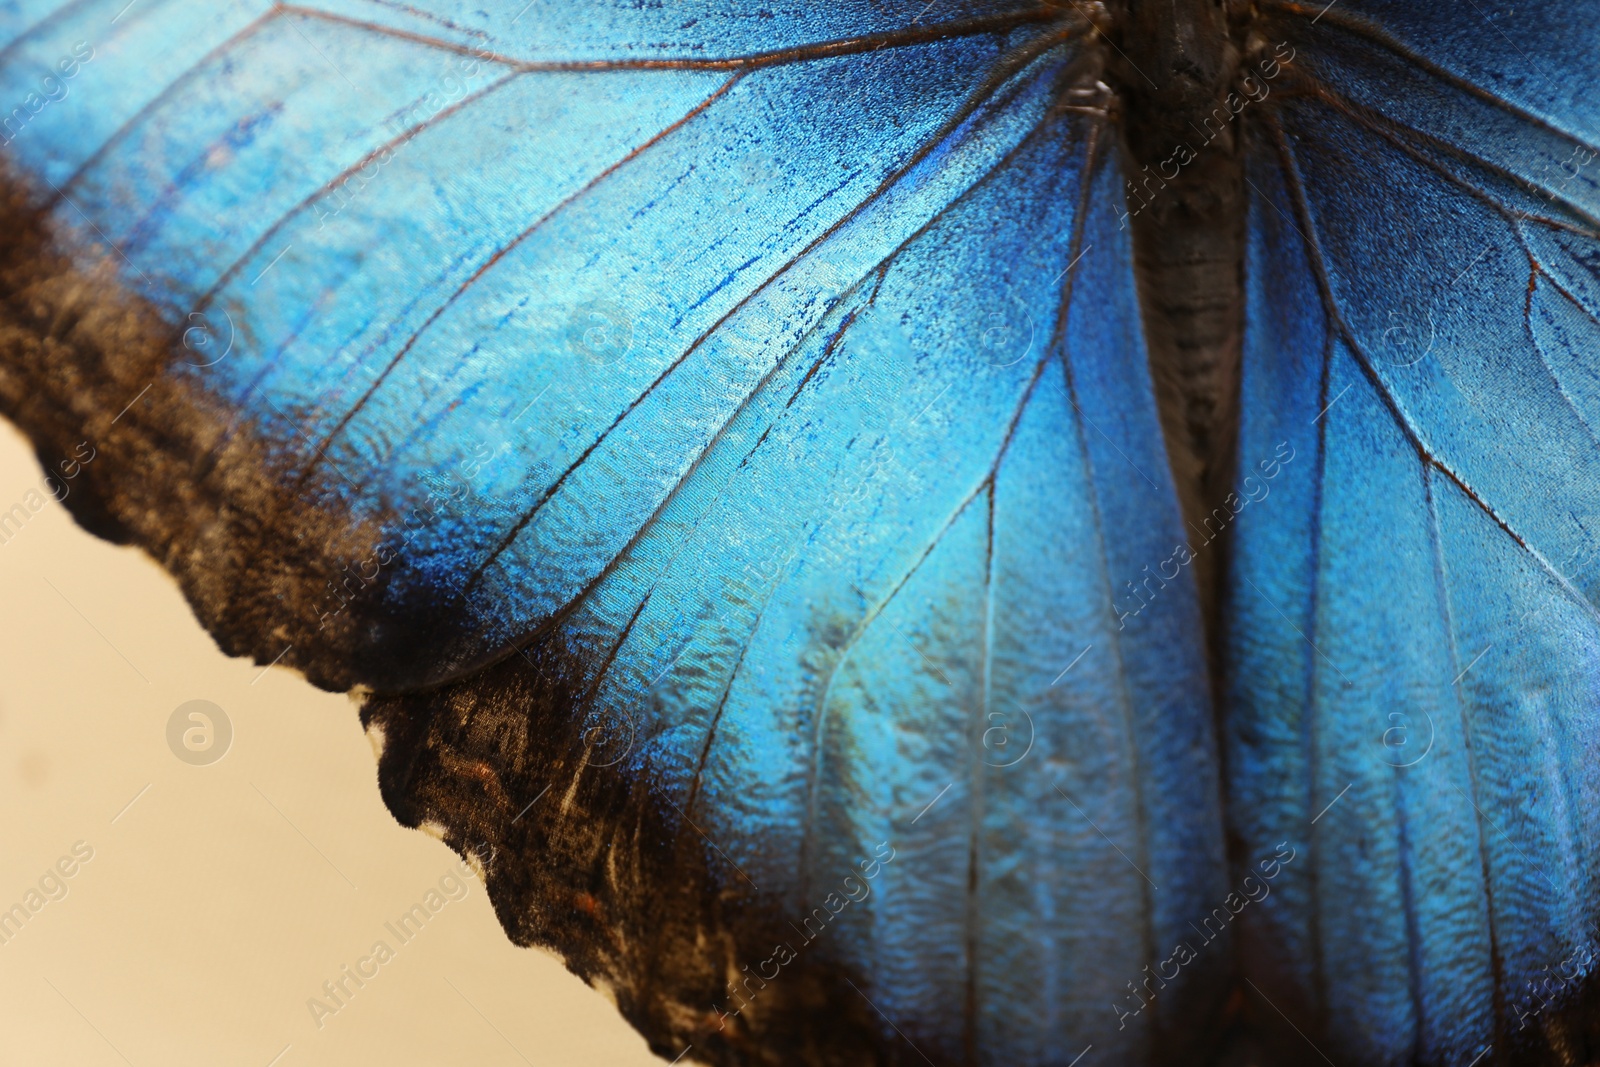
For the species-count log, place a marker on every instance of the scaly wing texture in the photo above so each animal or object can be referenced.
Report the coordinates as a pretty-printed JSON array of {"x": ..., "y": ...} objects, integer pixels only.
[
  {"x": 1414, "y": 643},
  {"x": 715, "y": 440},
  {"x": 403, "y": 262}
]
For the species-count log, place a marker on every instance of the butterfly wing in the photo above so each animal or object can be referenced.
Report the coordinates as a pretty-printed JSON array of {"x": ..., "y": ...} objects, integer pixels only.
[
  {"x": 944, "y": 684},
  {"x": 557, "y": 220},
  {"x": 719, "y": 470},
  {"x": 1413, "y": 628}
]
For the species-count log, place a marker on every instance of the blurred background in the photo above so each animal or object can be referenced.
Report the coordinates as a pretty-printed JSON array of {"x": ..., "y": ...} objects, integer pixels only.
[{"x": 228, "y": 877}]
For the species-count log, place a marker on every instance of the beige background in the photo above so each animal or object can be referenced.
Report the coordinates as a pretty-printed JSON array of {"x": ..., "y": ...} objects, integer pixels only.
[{"x": 223, "y": 896}]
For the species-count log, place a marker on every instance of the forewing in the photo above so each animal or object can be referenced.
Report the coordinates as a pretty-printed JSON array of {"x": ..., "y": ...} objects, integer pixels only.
[
  {"x": 877, "y": 621},
  {"x": 721, "y": 472},
  {"x": 439, "y": 296}
]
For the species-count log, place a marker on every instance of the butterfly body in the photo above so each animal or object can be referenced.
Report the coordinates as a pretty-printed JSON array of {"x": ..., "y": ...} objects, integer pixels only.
[
  {"x": 918, "y": 520},
  {"x": 1174, "y": 68}
]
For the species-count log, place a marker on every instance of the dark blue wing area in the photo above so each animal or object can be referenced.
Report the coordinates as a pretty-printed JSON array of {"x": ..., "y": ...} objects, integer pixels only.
[
  {"x": 785, "y": 424},
  {"x": 1414, "y": 640},
  {"x": 626, "y": 32}
]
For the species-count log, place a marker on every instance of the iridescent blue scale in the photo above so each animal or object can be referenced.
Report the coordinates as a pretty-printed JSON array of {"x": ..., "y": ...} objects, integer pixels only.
[{"x": 785, "y": 368}]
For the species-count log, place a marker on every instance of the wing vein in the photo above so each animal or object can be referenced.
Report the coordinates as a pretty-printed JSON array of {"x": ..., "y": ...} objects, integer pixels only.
[
  {"x": 772, "y": 587},
  {"x": 1310, "y": 735},
  {"x": 775, "y": 57},
  {"x": 981, "y": 96},
  {"x": 327, "y": 187},
  {"x": 1402, "y": 418},
  {"x": 1376, "y": 121},
  {"x": 1447, "y": 613},
  {"x": 881, "y": 268},
  {"x": 1513, "y": 222},
  {"x": 238, "y": 37},
  {"x": 489, "y": 263},
  {"x": 1361, "y": 27},
  {"x": 55, "y": 14},
  {"x": 1070, "y": 384},
  {"x": 875, "y": 608}
]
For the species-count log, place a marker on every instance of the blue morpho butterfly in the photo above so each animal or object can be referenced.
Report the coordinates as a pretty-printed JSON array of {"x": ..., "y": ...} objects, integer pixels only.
[{"x": 984, "y": 532}]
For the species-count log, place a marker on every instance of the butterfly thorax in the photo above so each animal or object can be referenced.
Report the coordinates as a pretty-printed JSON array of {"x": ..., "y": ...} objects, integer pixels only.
[{"x": 1173, "y": 65}]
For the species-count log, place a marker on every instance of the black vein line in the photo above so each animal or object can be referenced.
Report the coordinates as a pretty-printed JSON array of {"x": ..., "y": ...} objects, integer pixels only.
[
  {"x": 727, "y": 687},
  {"x": 881, "y": 270},
  {"x": 1537, "y": 271},
  {"x": 489, "y": 263},
  {"x": 678, "y": 549},
  {"x": 1092, "y": 163},
  {"x": 585, "y": 701},
  {"x": 307, "y": 438},
  {"x": 1513, "y": 218},
  {"x": 1320, "y": 269},
  {"x": 1544, "y": 358},
  {"x": 778, "y": 575},
  {"x": 1385, "y": 125},
  {"x": 1512, "y": 842},
  {"x": 1447, "y": 614},
  {"x": 433, "y": 16},
  {"x": 559, "y": 616},
  {"x": 876, "y": 608},
  {"x": 1364, "y": 361},
  {"x": 1309, "y": 736},
  {"x": 354, "y": 88},
  {"x": 1555, "y": 283},
  {"x": 1408, "y": 908},
  {"x": 1003, "y": 73},
  {"x": 1361, "y": 27},
  {"x": 133, "y": 121},
  {"x": 1513, "y": 221},
  {"x": 333, "y": 183},
  {"x": 55, "y": 15},
  {"x": 821, "y": 710},
  {"x": 986, "y": 482},
  {"x": 751, "y": 61}
]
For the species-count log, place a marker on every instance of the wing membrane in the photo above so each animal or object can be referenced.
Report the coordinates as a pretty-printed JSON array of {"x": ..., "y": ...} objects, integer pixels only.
[
  {"x": 754, "y": 451},
  {"x": 1412, "y": 616}
]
